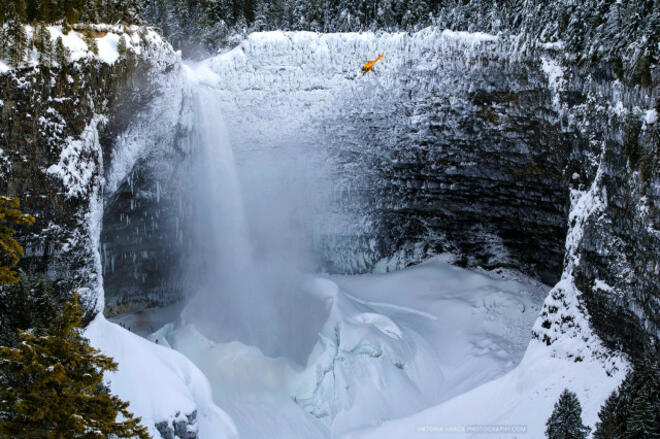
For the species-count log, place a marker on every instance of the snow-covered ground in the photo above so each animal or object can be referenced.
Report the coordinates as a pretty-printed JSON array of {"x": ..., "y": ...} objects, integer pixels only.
[
  {"x": 142, "y": 41},
  {"x": 393, "y": 344},
  {"x": 516, "y": 405},
  {"x": 158, "y": 382},
  {"x": 430, "y": 351}
]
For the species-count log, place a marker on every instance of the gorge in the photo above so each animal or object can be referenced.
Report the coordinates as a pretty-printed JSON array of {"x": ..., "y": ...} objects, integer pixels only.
[{"x": 339, "y": 255}]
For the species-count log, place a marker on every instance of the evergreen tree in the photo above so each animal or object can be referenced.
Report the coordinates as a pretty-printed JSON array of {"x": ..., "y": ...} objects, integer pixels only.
[
  {"x": 43, "y": 45},
  {"x": 610, "y": 424},
  {"x": 48, "y": 12},
  {"x": 566, "y": 419},
  {"x": 633, "y": 411},
  {"x": 62, "y": 53},
  {"x": 21, "y": 12},
  {"x": 88, "y": 37},
  {"x": 32, "y": 303},
  {"x": 51, "y": 386},
  {"x": 18, "y": 43},
  {"x": 70, "y": 10},
  {"x": 121, "y": 46},
  {"x": 10, "y": 250},
  {"x": 4, "y": 41},
  {"x": 32, "y": 8}
]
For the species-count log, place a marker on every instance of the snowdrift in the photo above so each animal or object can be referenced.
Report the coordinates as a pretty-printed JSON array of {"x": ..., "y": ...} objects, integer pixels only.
[{"x": 159, "y": 383}]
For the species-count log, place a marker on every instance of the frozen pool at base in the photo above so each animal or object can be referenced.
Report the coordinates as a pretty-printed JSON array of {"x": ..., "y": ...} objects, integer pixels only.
[{"x": 392, "y": 345}]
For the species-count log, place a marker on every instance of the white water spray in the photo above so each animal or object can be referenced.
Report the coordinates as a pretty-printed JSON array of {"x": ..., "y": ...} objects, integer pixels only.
[{"x": 242, "y": 294}]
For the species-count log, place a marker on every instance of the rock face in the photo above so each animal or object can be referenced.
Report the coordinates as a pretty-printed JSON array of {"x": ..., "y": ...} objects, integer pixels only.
[
  {"x": 181, "y": 427},
  {"x": 475, "y": 167},
  {"x": 459, "y": 143},
  {"x": 55, "y": 126},
  {"x": 143, "y": 237},
  {"x": 618, "y": 257}
]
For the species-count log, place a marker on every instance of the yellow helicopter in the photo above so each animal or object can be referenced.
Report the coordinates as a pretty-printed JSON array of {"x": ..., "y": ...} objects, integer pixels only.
[{"x": 368, "y": 67}]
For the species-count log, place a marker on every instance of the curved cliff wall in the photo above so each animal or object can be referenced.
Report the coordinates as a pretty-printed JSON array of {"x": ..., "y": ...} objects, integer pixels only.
[
  {"x": 462, "y": 143},
  {"x": 456, "y": 143},
  {"x": 451, "y": 145}
]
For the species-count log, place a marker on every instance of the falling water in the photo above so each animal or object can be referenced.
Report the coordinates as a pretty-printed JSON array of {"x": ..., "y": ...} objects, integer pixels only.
[
  {"x": 221, "y": 257},
  {"x": 241, "y": 294}
]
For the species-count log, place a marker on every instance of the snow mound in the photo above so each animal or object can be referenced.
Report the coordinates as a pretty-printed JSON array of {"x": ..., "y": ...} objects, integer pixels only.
[
  {"x": 515, "y": 405},
  {"x": 393, "y": 344},
  {"x": 397, "y": 343},
  {"x": 158, "y": 382}
]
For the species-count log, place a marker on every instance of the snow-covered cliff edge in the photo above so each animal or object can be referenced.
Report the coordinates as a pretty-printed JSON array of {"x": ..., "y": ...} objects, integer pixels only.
[{"x": 59, "y": 119}]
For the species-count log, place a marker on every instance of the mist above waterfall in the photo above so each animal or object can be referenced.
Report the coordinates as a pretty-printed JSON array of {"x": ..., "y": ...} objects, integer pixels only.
[{"x": 250, "y": 237}]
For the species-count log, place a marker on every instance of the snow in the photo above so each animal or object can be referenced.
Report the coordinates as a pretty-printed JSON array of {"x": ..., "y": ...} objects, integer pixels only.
[
  {"x": 555, "y": 45},
  {"x": 472, "y": 37},
  {"x": 519, "y": 402},
  {"x": 79, "y": 159},
  {"x": 392, "y": 344},
  {"x": 603, "y": 286},
  {"x": 140, "y": 40},
  {"x": 650, "y": 116},
  {"x": 555, "y": 76},
  {"x": 157, "y": 381}
]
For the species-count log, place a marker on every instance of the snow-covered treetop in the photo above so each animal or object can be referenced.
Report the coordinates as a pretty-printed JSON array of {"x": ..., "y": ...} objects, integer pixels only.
[{"x": 51, "y": 45}]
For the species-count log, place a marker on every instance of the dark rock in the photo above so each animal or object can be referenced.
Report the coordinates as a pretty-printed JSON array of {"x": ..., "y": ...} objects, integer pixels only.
[{"x": 181, "y": 427}]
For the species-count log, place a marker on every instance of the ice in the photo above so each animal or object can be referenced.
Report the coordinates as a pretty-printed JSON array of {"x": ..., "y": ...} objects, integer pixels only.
[{"x": 392, "y": 344}]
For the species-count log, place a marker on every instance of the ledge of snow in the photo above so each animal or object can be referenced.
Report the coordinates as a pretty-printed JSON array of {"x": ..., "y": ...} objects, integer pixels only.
[
  {"x": 142, "y": 41},
  {"x": 157, "y": 381}
]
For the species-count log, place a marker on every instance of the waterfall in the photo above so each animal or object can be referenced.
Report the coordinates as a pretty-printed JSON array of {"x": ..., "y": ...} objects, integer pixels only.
[
  {"x": 241, "y": 290},
  {"x": 221, "y": 255}
]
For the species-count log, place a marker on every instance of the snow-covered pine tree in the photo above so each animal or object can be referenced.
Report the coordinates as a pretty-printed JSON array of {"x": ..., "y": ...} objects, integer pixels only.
[
  {"x": 644, "y": 414},
  {"x": 61, "y": 53},
  {"x": 89, "y": 39},
  {"x": 610, "y": 424},
  {"x": 633, "y": 411},
  {"x": 51, "y": 386},
  {"x": 566, "y": 419}
]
